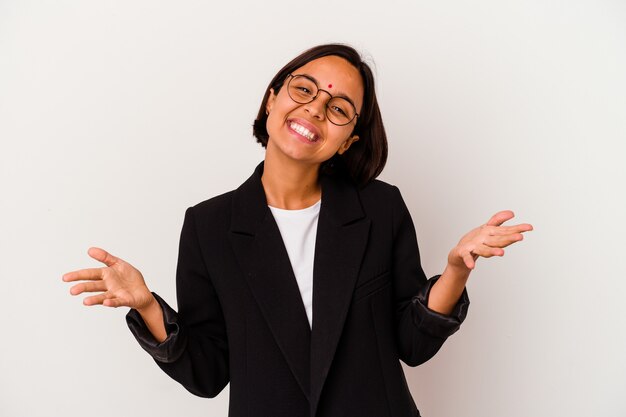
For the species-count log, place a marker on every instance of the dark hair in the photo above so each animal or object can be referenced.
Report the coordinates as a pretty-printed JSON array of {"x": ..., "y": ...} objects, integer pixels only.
[{"x": 366, "y": 157}]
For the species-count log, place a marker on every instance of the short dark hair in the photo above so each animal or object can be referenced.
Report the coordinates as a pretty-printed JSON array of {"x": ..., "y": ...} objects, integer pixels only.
[{"x": 366, "y": 157}]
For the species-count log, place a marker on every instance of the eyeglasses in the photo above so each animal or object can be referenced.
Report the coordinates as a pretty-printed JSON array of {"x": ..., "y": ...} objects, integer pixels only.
[{"x": 339, "y": 110}]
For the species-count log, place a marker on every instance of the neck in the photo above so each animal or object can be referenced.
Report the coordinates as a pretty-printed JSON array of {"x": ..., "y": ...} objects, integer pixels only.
[{"x": 289, "y": 184}]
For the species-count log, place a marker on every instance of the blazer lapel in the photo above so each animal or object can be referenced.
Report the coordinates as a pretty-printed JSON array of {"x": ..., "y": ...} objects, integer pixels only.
[
  {"x": 342, "y": 236},
  {"x": 262, "y": 256}
]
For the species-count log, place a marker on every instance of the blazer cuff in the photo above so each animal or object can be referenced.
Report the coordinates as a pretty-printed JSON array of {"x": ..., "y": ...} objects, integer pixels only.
[
  {"x": 172, "y": 347},
  {"x": 432, "y": 322}
]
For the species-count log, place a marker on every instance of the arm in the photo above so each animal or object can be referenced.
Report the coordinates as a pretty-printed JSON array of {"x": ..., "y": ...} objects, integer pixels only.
[
  {"x": 152, "y": 316},
  {"x": 486, "y": 241},
  {"x": 195, "y": 352},
  {"x": 191, "y": 346},
  {"x": 429, "y": 311},
  {"x": 421, "y": 331}
]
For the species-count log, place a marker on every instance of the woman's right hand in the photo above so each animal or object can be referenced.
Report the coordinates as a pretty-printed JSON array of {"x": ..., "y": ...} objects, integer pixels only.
[{"x": 119, "y": 283}]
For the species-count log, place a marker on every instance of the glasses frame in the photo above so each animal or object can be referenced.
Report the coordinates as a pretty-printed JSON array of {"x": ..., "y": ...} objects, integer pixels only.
[{"x": 293, "y": 76}]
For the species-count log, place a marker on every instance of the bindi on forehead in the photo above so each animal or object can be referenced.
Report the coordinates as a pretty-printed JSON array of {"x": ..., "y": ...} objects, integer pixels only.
[{"x": 330, "y": 86}]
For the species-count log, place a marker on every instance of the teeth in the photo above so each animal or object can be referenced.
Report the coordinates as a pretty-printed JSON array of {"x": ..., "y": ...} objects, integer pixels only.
[{"x": 303, "y": 131}]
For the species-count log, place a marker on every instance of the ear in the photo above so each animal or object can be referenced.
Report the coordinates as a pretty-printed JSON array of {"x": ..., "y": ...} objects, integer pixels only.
[
  {"x": 270, "y": 101},
  {"x": 347, "y": 143}
]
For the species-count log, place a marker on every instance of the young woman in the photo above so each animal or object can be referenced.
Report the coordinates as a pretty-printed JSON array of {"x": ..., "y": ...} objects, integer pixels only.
[{"x": 303, "y": 287}]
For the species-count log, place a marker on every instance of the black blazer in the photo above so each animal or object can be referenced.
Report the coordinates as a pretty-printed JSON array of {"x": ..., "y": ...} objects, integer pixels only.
[{"x": 241, "y": 318}]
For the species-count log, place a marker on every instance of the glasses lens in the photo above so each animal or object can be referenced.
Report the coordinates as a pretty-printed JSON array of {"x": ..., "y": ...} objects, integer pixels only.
[
  {"x": 340, "y": 111},
  {"x": 302, "y": 90}
]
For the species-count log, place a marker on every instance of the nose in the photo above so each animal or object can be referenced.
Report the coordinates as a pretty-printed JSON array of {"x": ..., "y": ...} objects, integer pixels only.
[{"x": 317, "y": 108}]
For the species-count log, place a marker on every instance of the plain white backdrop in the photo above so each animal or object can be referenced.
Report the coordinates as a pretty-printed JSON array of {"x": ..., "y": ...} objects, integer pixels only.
[{"x": 117, "y": 115}]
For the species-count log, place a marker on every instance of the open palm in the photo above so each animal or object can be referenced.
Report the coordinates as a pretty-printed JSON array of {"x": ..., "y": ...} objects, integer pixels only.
[
  {"x": 118, "y": 284},
  {"x": 487, "y": 240}
]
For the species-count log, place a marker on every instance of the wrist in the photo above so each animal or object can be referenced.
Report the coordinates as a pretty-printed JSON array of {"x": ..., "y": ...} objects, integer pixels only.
[
  {"x": 456, "y": 273},
  {"x": 149, "y": 305},
  {"x": 457, "y": 263}
]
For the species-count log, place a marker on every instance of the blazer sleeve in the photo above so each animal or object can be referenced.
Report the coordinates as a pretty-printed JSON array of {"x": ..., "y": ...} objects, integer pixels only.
[
  {"x": 420, "y": 331},
  {"x": 195, "y": 352}
]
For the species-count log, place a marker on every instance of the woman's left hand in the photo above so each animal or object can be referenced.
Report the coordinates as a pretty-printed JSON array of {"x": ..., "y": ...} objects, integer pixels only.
[{"x": 486, "y": 241}]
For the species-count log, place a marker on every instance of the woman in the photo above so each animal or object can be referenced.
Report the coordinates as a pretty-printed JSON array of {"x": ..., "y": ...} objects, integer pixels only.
[{"x": 303, "y": 288}]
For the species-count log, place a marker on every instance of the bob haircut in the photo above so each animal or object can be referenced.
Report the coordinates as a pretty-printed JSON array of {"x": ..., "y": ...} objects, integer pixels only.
[{"x": 366, "y": 158}]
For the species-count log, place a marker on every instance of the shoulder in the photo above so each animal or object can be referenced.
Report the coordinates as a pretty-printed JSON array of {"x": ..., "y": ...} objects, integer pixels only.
[
  {"x": 215, "y": 204},
  {"x": 383, "y": 202},
  {"x": 378, "y": 186},
  {"x": 210, "y": 213},
  {"x": 379, "y": 192},
  {"x": 223, "y": 203}
]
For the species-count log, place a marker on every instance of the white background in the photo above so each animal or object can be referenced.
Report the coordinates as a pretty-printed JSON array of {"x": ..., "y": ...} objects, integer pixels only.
[{"x": 117, "y": 115}]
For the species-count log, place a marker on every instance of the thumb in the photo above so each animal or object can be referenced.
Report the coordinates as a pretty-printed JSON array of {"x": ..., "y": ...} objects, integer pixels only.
[
  {"x": 500, "y": 217},
  {"x": 102, "y": 256}
]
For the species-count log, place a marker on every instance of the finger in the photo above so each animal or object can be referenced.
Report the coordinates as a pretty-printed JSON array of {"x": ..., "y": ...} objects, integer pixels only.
[
  {"x": 98, "y": 286},
  {"x": 102, "y": 256},
  {"x": 506, "y": 230},
  {"x": 469, "y": 260},
  {"x": 114, "y": 302},
  {"x": 500, "y": 217},
  {"x": 502, "y": 241},
  {"x": 95, "y": 299},
  {"x": 487, "y": 251},
  {"x": 83, "y": 274}
]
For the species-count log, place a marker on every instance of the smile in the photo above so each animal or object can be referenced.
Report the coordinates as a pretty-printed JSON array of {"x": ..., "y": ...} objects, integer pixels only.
[{"x": 303, "y": 131}]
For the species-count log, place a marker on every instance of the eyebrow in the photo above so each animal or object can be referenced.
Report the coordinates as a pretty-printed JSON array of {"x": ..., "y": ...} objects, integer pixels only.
[{"x": 340, "y": 93}]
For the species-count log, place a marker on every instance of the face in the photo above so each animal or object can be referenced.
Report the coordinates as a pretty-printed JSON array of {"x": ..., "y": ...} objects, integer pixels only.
[{"x": 302, "y": 131}]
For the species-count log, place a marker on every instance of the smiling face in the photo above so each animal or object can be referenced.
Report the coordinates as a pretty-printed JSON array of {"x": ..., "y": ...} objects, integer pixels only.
[{"x": 302, "y": 132}]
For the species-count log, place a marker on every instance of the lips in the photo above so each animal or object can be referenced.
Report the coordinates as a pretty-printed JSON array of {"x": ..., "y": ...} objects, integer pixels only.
[{"x": 304, "y": 129}]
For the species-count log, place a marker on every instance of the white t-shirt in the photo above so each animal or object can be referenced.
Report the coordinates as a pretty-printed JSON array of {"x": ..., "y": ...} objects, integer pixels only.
[{"x": 298, "y": 229}]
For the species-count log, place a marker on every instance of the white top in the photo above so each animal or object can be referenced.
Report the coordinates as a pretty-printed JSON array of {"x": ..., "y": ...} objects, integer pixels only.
[{"x": 298, "y": 229}]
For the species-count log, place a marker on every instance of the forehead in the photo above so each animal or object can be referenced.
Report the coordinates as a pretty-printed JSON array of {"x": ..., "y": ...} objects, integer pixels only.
[{"x": 335, "y": 71}]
